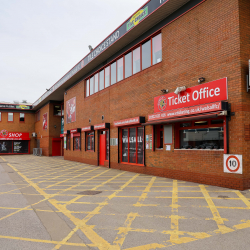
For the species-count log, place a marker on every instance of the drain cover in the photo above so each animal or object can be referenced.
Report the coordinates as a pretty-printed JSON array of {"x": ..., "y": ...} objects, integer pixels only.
[
  {"x": 89, "y": 192},
  {"x": 223, "y": 196}
]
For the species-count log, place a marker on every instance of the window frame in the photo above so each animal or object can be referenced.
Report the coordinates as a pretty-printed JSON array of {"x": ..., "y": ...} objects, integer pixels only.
[
  {"x": 62, "y": 107},
  {"x": 108, "y": 65},
  {"x": 209, "y": 125},
  {"x": 136, "y": 143},
  {"x": 89, "y": 134},
  {"x": 0, "y": 116},
  {"x": 13, "y": 116},
  {"x": 77, "y": 136},
  {"x": 23, "y": 118},
  {"x": 68, "y": 136}
]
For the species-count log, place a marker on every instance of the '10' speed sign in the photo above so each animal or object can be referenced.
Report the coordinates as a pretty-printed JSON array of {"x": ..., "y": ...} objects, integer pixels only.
[{"x": 233, "y": 164}]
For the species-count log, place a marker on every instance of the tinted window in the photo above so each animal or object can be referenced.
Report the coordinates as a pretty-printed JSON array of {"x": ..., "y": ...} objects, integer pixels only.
[
  {"x": 128, "y": 65},
  {"x": 91, "y": 85},
  {"x": 101, "y": 83},
  {"x": 107, "y": 76},
  {"x": 113, "y": 73},
  {"x": 146, "y": 55},
  {"x": 136, "y": 60},
  {"x": 96, "y": 83},
  {"x": 125, "y": 145},
  {"x": 87, "y": 88},
  {"x": 120, "y": 69},
  {"x": 22, "y": 117},
  {"x": 157, "y": 49}
]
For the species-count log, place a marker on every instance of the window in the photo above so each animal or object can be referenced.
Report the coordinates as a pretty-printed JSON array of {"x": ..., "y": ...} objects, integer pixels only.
[
  {"x": 107, "y": 76},
  {"x": 68, "y": 142},
  {"x": 10, "y": 117},
  {"x": 120, "y": 69},
  {"x": 159, "y": 136},
  {"x": 0, "y": 116},
  {"x": 133, "y": 145},
  {"x": 91, "y": 86},
  {"x": 146, "y": 55},
  {"x": 157, "y": 49},
  {"x": 96, "y": 83},
  {"x": 58, "y": 110},
  {"x": 163, "y": 135},
  {"x": 204, "y": 134},
  {"x": 128, "y": 65},
  {"x": 21, "y": 118},
  {"x": 87, "y": 88},
  {"x": 113, "y": 73},
  {"x": 14, "y": 147},
  {"x": 140, "y": 58},
  {"x": 38, "y": 116},
  {"x": 90, "y": 141},
  {"x": 77, "y": 142},
  {"x": 101, "y": 84},
  {"x": 137, "y": 60}
]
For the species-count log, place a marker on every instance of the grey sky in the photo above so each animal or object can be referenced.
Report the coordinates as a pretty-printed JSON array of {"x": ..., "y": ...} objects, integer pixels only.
[{"x": 40, "y": 40}]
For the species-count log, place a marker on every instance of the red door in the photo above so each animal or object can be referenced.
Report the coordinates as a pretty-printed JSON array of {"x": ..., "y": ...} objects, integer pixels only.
[
  {"x": 56, "y": 147},
  {"x": 102, "y": 149}
]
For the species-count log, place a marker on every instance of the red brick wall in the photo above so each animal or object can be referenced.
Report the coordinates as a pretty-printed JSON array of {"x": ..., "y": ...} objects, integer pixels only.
[
  {"x": 16, "y": 126},
  {"x": 205, "y": 42}
]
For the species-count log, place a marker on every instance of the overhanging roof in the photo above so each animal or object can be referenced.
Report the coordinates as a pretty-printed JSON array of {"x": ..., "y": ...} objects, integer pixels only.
[{"x": 166, "y": 9}]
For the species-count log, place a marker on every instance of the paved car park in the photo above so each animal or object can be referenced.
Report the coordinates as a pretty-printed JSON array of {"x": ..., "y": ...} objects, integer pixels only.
[{"x": 50, "y": 203}]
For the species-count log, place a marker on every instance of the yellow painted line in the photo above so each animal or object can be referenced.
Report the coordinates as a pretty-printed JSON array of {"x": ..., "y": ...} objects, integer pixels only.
[
  {"x": 147, "y": 247},
  {"x": 217, "y": 218},
  {"x": 174, "y": 217},
  {"x": 2, "y": 158},
  {"x": 242, "y": 225},
  {"x": 144, "y": 195},
  {"x": 123, "y": 231},
  {"x": 243, "y": 198},
  {"x": 41, "y": 241}
]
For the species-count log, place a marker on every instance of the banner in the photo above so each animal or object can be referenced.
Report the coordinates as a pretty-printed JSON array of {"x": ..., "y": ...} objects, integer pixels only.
[
  {"x": 45, "y": 121},
  {"x": 71, "y": 110}
]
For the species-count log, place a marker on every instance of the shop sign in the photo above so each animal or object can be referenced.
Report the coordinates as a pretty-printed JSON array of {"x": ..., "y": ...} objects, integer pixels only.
[
  {"x": 89, "y": 128},
  {"x": 9, "y": 106},
  {"x": 216, "y": 106},
  {"x": 130, "y": 121},
  {"x": 137, "y": 17},
  {"x": 65, "y": 132},
  {"x": 204, "y": 93},
  {"x": 101, "y": 126},
  {"x": 5, "y": 135},
  {"x": 233, "y": 164}
]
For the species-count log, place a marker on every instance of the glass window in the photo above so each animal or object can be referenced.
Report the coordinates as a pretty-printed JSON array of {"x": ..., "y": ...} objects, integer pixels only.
[
  {"x": 120, "y": 69},
  {"x": 133, "y": 145},
  {"x": 186, "y": 124},
  {"x": 87, "y": 88},
  {"x": 219, "y": 121},
  {"x": 107, "y": 145},
  {"x": 203, "y": 138},
  {"x": 125, "y": 145},
  {"x": 101, "y": 83},
  {"x": 159, "y": 136},
  {"x": 57, "y": 110},
  {"x": 107, "y": 76},
  {"x": 201, "y": 123},
  {"x": 91, "y": 86},
  {"x": 21, "y": 147},
  {"x": 146, "y": 55},
  {"x": 77, "y": 141},
  {"x": 113, "y": 73},
  {"x": 90, "y": 141},
  {"x": 136, "y": 60},
  {"x": 96, "y": 83},
  {"x": 128, "y": 65},
  {"x": 21, "y": 119},
  {"x": 10, "y": 117},
  {"x": 157, "y": 49},
  {"x": 0, "y": 116},
  {"x": 62, "y": 109},
  {"x": 6, "y": 147}
]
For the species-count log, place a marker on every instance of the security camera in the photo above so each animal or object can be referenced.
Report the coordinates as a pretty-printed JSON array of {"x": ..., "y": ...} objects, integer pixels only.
[
  {"x": 201, "y": 79},
  {"x": 180, "y": 89},
  {"x": 164, "y": 91}
]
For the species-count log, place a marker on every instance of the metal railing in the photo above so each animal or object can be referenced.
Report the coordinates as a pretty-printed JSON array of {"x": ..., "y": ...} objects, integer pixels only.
[{"x": 37, "y": 151}]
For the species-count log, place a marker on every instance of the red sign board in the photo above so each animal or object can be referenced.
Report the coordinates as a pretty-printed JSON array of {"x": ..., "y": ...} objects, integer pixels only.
[
  {"x": 72, "y": 131},
  {"x": 89, "y": 128},
  {"x": 125, "y": 122},
  {"x": 205, "y": 108},
  {"x": 100, "y": 126},
  {"x": 205, "y": 93},
  {"x": 65, "y": 132},
  {"x": 17, "y": 136}
]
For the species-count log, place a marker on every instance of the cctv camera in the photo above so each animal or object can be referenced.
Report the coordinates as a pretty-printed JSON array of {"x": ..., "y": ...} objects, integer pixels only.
[{"x": 180, "y": 89}]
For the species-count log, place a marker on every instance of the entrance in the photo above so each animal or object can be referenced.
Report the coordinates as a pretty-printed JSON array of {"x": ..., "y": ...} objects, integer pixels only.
[
  {"x": 103, "y": 147},
  {"x": 56, "y": 146}
]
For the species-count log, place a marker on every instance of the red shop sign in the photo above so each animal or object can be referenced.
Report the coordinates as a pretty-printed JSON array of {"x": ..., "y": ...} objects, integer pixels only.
[
  {"x": 5, "y": 135},
  {"x": 130, "y": 121},
  {"x": 89, "y": 128},
  {"x": 205, "y": 108},
  {"x": 205, "y": 93}
]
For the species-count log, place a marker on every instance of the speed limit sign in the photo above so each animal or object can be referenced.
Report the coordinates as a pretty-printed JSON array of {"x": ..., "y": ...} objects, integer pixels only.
[{"x": 233, "y": 164}]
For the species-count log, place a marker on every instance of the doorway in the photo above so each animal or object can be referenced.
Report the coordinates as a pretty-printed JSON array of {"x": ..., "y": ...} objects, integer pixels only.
[
  {"x": 56, "y": 146},
  {"x": 103, "y": 147}
]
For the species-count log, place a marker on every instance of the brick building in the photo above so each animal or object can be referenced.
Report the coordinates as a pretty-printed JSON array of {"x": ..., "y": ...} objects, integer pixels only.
[{"x": 164, "y": 94}]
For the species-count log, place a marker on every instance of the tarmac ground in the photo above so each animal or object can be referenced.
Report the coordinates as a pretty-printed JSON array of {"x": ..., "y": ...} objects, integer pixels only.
[{"x": 49, "y": 203}]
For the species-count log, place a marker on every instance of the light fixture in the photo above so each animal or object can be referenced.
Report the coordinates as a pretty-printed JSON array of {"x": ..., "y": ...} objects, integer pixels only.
[
  {"x": 164, "y": 91},
  {"x": 201, "y": 79},
  {"x": 102, "y": 117},
  {"x": 89, "y": 120},
  {"x": 54, "y": 126},
  {"x": 90, "y": 48},
  {"x": 180, "y": 89}
]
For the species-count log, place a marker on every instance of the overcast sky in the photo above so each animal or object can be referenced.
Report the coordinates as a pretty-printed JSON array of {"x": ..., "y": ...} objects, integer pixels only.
[{"x": 41, "y": 40}]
